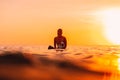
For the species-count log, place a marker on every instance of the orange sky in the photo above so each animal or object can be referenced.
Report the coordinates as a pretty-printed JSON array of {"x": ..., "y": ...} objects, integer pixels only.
[{"x": 34, "y": 22}]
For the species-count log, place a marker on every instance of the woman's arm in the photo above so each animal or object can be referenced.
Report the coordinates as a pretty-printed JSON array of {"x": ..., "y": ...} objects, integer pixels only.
[
  {"x": 65, "y": 41},
  {"x": 55, "y": 43}
]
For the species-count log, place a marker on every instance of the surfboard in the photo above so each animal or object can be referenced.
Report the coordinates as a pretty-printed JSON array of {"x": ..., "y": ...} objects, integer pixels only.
[
  {"x": 59, "y": 49},
  {"x": 52, "y": 48}
]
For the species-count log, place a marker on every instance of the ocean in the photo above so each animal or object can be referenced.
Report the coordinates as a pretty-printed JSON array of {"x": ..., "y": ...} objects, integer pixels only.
[{"x": 99, "y": 62}]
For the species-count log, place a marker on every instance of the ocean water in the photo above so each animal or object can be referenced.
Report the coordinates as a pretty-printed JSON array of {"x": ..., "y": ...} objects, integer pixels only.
[{"x": 74, "y": 63}]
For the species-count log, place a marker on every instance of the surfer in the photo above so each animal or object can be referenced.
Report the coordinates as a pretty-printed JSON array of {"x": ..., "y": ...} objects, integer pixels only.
[{"x": 60, "y": 41}]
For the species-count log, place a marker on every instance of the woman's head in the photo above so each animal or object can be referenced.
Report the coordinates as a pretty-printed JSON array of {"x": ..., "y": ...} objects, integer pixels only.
[{"x": 59, "y": 32}]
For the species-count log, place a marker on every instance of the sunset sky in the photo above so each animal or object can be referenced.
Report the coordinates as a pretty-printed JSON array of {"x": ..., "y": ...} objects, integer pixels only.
[{"x": 35, "y": 22}]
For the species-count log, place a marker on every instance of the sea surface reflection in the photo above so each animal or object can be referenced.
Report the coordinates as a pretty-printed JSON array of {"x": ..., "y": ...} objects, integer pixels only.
[{"x": 74, "y": 63}]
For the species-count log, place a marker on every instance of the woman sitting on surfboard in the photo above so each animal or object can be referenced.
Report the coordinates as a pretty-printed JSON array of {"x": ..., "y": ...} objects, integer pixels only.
[{"x": 60, "y": 41}]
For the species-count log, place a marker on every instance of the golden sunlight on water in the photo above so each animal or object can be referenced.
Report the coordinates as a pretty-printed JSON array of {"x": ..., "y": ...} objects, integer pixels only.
[
  {"x": 119, "y": 64},
  {"x": 114, "y": 69}
]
